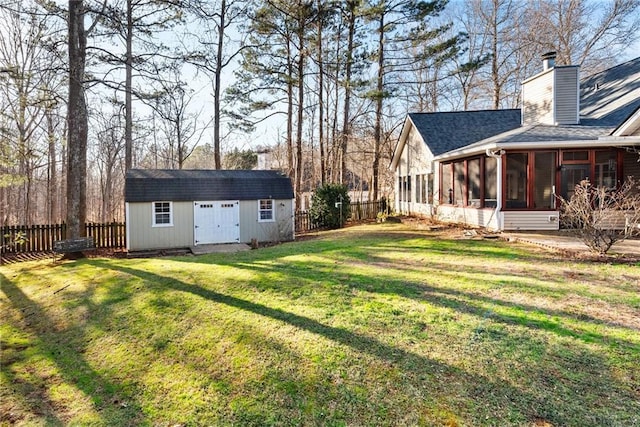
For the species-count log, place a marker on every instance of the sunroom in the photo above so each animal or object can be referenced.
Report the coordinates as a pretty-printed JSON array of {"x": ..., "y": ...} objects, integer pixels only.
[{"x": 519, "y": 189}]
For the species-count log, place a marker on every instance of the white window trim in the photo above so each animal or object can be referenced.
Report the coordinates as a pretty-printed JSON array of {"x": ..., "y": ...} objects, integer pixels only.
[
  {"x": 273, "y": 211},
  {"x": 153, "y": 214}
]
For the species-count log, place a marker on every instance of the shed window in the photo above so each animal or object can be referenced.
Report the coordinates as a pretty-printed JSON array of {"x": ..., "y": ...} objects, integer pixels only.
[
  {"x": 265, "y": 210},
  {"x": 162, "y": 214}
]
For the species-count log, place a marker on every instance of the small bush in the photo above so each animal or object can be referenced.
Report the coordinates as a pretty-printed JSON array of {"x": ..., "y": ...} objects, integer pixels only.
[{"x": 330, "y": 206}]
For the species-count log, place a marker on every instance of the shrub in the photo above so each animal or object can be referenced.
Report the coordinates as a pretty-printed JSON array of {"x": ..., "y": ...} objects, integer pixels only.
[
  {"x": 330, "y": 206},
  {"x": 601, "y": 217}
]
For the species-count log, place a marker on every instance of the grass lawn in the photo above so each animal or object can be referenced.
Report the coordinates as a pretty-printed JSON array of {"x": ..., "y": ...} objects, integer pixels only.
[{"x": 370, "y": 325}]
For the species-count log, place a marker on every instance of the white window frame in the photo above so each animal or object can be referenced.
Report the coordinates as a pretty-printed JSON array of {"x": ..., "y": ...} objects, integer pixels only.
[
  {"x": 261, "y": 210},
  {"x": 154, "y": 214}
]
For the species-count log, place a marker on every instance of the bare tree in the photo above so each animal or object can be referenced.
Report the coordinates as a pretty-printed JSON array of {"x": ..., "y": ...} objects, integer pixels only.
[
  {"x": 173, "y": 103},
  {"x": 216, "y": 51},
  {"x": 109, "y": 130},
  {"x": 27, "y": 84},
  {"x": 591, "y": 34}
]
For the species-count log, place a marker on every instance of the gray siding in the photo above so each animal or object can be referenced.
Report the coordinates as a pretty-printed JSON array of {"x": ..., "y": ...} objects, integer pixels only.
[
  {"x": 566, "y": 97},
  {"x": 143, "y": 236},
  {"x": 279, "y": 230},
  {"x": 531, "y": 220}
]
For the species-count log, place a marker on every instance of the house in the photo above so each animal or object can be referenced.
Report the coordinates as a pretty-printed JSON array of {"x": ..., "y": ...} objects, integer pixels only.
[
  {"x": 503, "y": 169},
  {"x": 184, "y": 208}
]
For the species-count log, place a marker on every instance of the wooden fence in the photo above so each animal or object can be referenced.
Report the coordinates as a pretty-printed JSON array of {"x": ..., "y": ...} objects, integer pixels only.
[
  {"x": 359, "y": 211},
  {"x": 40, "y": 238}
]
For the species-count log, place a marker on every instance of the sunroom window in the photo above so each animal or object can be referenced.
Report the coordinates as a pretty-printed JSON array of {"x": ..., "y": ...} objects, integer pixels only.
[
  {"x": 516, "y": 180},
  {"x": 544, "y": 188}
]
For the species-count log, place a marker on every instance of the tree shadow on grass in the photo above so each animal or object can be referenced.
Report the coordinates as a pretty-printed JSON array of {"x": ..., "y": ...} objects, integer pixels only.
[
  {"x": 64, "y": 348},
  {"x": 532, "y": 316},
  {"x": 459, "y": 391}
]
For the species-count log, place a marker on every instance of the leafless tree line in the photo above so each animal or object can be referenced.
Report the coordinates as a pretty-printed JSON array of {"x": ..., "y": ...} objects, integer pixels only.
[{"x": 177, "y": 83}]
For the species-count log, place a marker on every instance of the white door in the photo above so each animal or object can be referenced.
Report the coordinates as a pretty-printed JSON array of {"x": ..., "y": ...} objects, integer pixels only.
[{"x": 216, "y": 222}]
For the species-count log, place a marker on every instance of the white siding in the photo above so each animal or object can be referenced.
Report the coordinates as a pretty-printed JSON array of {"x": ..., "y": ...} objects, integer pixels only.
[
  {"x": 537, "y": 96},
  {"x": 531, "y": 220},
  {"x": 469, "y": 216},
  {"x": 416, "y": 159}
]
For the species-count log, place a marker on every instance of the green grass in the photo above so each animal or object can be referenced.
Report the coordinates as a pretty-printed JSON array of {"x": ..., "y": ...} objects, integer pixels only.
[{"x": 370, "y": 325}]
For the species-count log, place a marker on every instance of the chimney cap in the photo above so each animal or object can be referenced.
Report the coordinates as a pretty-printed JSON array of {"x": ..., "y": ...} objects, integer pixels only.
[{"x": 549, "y": 55}]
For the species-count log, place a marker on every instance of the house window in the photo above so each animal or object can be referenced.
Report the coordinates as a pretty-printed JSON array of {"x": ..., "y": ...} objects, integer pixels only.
[
  {"x": 265, "y": 210},
  {"x": 430, "y": 188},
  {"x": 606, "y": 169},
  {"x": 409, "y": 188},
  {"x": 162, "y": 214},
  {"x": 572, "y": 156},
  {"x": 423, "y": 189}
]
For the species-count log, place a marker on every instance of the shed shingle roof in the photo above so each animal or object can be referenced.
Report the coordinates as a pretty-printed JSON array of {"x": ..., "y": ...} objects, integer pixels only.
[{"x": 147, "y": 185}]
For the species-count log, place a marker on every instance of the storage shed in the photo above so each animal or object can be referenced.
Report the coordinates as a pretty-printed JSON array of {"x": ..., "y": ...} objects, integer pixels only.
[{"x": 183, "y": 208}]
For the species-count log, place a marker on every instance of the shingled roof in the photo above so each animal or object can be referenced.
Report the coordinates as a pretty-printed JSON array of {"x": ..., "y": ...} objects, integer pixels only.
[
  {"x": 148, "y": 185},
  {"x": 607, "y": 99},
  {"x": 448, "y": 131}
]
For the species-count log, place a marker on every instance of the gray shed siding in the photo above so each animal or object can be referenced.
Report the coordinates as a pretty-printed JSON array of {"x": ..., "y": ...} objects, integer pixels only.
[
  {"x": 143, "y": 236},
  {"x": 279, "y": 230}
]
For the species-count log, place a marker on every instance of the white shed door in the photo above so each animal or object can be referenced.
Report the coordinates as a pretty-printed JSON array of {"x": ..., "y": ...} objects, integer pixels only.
[{"x": 216, "y": 222}]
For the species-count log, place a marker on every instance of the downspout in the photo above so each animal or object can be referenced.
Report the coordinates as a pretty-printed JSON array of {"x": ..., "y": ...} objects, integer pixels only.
[{"x": 498, "y": 156}]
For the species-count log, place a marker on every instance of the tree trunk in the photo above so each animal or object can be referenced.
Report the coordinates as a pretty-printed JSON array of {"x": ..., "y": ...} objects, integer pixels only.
[
  {"x": 128, "y": 121},
  {"x": 299, "y": 160},
  {"x": 346, "y": 119},
  {"x": 377, "y": 131},
  {"x": 52, "y": 173},
  {"x": 323, "y": 172},
  {"x": 216, "y": 88},
  {"x": 77, "y": 124}
]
